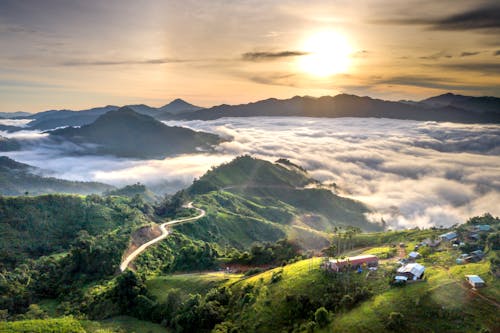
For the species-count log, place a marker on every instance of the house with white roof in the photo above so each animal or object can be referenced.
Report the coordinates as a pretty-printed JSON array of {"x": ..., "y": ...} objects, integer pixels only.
[{"x": 411, "y": 271}]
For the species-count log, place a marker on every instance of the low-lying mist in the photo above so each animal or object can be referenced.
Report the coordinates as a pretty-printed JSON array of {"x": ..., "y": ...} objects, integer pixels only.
[{"x": 411, "y": 173}]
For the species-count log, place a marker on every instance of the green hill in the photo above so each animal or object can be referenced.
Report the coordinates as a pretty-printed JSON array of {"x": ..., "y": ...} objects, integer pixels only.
[
  {"x": 18, "y": 178},
  {"x": 249, "y": 200},
  {"x": 127, "y": 133},
  {"x": 135, "y": 190},
  {"x": 245, "y": 172}
]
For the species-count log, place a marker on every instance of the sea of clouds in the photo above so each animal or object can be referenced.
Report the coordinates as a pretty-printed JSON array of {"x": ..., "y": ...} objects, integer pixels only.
[{"x": 410, "y": 173}]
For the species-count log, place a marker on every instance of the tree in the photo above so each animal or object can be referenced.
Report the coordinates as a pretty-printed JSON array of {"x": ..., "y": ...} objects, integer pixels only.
[
  {"x": 127, "y": 290},
  {"x": 330, "y": 251},
  {"x": 321, "y": 316}
]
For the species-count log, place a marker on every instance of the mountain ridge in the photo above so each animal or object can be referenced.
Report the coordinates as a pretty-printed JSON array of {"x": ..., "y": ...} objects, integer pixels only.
[
  {"x": 347, "y": 105},
  {"x": 126, "y": 133}
]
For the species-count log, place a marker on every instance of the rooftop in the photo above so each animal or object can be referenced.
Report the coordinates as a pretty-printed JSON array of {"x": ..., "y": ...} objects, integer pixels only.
[{"x": 474, "y": 279}]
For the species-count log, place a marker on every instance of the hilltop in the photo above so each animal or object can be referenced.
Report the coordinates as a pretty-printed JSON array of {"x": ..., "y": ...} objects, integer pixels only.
[
  {"x": 251, "y": 200},
  {"x": 178, "y": 106},
  {"x": 126, "y": 133}
]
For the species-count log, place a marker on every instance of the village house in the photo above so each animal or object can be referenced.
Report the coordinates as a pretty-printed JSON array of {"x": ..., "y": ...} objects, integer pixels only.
[
  {"x": 413, "y": 255},
  {"x": 482, "y": 227},
  {"x": 411, "y": 271},
  {"x": 474, "y": 256},
  {"x": 336, "y": 265},
  {"x": 449, "y": 236},
  {"x": 475, "y": 281}
]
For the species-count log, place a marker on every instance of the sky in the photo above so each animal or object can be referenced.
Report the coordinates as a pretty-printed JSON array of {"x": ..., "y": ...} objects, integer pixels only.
[{"x": 76, "y": 54}]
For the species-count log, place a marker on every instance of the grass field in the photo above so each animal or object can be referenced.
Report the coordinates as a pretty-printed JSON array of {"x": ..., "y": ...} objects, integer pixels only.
[
  {"x": 52, "y": 325},
  {"x": 122, "y": 324},
  {"x": 193, "y": 283},
  {"x": 383, "y": 252}
]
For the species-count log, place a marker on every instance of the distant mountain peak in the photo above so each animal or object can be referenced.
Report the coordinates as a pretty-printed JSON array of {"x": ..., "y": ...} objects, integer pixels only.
[{"x": 179, "y": 105}]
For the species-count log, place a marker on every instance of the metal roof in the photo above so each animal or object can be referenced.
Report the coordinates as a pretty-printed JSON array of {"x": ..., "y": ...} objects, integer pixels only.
[
  {"x": 474, "y": 279},
  {"x": 449, "y": 235},
  {"x": 415, "y": 269}
]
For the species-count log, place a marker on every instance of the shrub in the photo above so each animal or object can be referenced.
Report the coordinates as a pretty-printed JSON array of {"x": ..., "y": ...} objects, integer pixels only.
[{"x": 321, "y": 317}]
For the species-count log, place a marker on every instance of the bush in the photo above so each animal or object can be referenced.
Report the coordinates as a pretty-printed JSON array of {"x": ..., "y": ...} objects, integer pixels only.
[
  {"x": 277, "y": 276},
  {"x": 321, "y": 317}
]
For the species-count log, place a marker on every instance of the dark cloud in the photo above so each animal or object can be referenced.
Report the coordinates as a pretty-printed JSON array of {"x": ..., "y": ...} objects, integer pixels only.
[
  {"x": 469, "y": 54},
  {"x": 481, "y": 18},
  {"x": 436, "y": 56},
  {"x": 121, "y": 62},
  {"x": 274, "y": 79},
  {"x": 263, "y": 56},
  {"x": 486, "y": 17},
  {"x": 483, "y": 67},
  {"x": 426, "y": 82}
]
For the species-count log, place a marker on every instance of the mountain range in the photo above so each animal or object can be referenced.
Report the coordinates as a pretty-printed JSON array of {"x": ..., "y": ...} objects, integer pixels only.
[
  {"x": 458, "y": 108},
  {"x": 126, "y": 133},
  {"x": 447, "y": 107}
]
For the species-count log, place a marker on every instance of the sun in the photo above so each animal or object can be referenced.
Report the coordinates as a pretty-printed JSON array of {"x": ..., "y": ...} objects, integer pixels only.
[{"x": 328, "y": 53}]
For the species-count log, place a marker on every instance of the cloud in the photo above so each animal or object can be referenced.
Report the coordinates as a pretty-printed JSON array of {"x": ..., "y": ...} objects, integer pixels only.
[
  {"x": 483, "y": 67},
  {"x": 15, "y": 122},
  {"x": 75, "y": 63},
  {"x": 410, "y": 173},
  {"x": 481, "y": 18},
  {"x": 278, "y": 79},
  {"x": 427, "y": 82},
  {"x": 266, "y": 56},
  {"x": 436, "y": 56},
  {"x": 469, "y": 54}
]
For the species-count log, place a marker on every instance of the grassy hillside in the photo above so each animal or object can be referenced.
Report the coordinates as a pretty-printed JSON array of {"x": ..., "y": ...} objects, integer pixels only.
[
  {"x": 288, "y": 298},
  {"x": 250, "y": 199},
  {"x": 57, "y": 325},
  {"x": 248, "y": 172}
]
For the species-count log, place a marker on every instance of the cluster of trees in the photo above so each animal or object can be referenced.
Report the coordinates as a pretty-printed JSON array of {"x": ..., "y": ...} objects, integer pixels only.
[
  {"x": 268, "y": 253},
  {"x": 171, "y": 206},
  {"x": 194, "y": 314},
  {"x": 342, "y": 240}
]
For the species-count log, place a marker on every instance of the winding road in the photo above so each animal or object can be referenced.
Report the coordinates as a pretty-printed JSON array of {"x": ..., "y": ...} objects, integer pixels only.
[{"x": 164, "y": 234}]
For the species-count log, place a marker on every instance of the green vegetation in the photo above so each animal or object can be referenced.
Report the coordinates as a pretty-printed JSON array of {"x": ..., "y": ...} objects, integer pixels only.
[
  {"x": 59, "y": 259},
  {"x": 136, "y": 191},
  {"x": 383, "y": 252},
  {"x": 192, "y": 283},
  {"x": 52, "y": 325}
]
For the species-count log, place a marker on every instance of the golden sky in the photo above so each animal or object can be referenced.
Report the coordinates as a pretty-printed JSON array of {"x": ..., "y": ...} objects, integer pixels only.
[{"x": 58, "y": 54}]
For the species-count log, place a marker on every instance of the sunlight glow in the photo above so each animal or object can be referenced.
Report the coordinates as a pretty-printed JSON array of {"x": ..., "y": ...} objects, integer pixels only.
[{"x": 329, "y": 54}]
